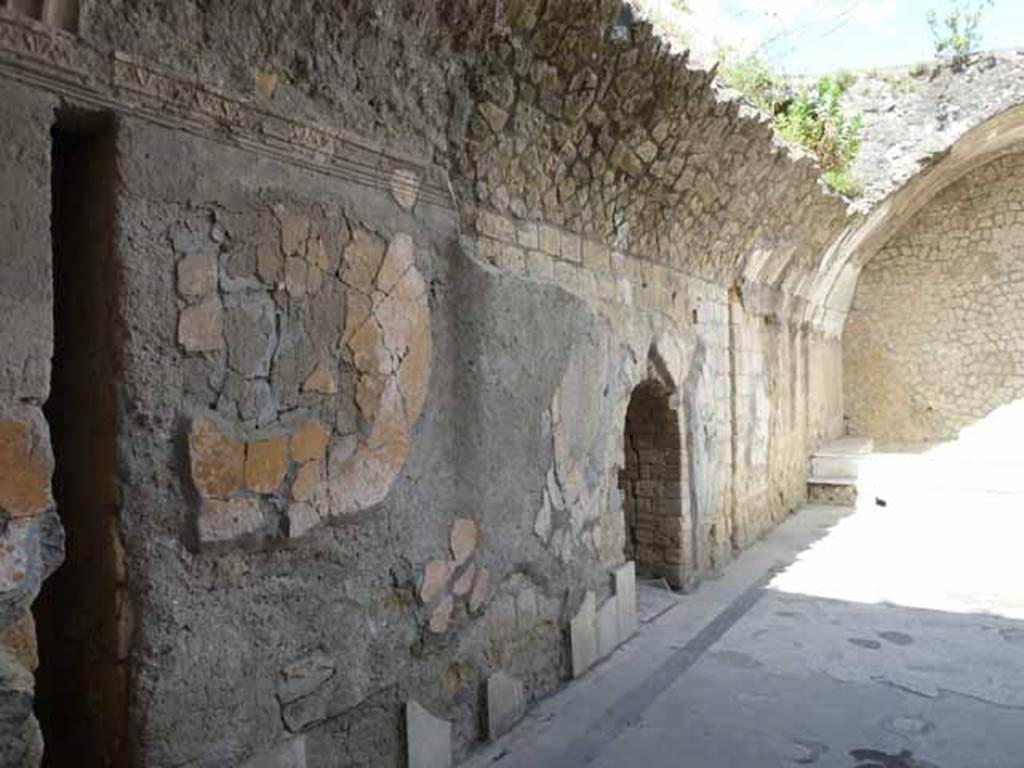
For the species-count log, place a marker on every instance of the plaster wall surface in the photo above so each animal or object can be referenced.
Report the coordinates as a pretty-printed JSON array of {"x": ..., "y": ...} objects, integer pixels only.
[
  {"x": 933, "y": 343},
  {"x": 31, "y": 541}
]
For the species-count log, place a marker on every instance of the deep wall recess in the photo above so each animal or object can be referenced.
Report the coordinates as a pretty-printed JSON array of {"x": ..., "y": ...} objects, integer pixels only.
[{"x": 83, "y": 614}]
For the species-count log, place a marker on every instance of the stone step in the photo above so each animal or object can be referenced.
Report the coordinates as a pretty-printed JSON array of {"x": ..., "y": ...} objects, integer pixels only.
[
  {"x": 840, "y": 492},
  {"x": 836, "y": 466},
  {"x": 841, "y": 458},
  {"x": 832, "y": 480},
  {"x": 846, "y": 446}
]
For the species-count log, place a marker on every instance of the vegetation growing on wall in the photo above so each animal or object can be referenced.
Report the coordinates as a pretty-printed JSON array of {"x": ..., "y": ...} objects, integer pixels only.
[
  {"x": 751, "y": 76},
  {"x": 956, "y": 34},
  {"x": 809, "y": 116},
  {"x": 815, "y": 120}
]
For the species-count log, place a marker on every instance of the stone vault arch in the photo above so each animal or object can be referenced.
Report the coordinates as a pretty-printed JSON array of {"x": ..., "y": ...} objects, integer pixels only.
[{"x": 864, "y": 238}]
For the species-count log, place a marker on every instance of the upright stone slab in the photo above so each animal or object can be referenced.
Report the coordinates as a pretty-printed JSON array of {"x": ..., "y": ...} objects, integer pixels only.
[
  {"x": 582, "y": 637},
  {"x": 624, "y": 584},
  {"x": 428, "y": 738},
  {"x": 506, "y": 704},
  {"x": 607, "y": 627}
]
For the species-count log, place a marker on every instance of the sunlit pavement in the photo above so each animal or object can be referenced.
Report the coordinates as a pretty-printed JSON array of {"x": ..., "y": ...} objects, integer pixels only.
[{"x": 890, "y": 636}]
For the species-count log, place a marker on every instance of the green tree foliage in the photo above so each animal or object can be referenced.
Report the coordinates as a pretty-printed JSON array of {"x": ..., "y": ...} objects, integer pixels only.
[
  {"x": 815, "y": 120},
  {"x": 812, "y": 117},
  {"x": 751, "y": 76},
  {"x": 956, "y": 34}
]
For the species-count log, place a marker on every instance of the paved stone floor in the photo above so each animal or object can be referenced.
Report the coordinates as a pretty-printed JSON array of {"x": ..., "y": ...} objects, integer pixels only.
[{"x": 890, "y": 636}]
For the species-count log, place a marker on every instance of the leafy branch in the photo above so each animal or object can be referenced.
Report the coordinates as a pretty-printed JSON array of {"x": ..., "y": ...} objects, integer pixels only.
[
  {"x": 811, "y": 117},
  {"x": 957, "y": 34}
]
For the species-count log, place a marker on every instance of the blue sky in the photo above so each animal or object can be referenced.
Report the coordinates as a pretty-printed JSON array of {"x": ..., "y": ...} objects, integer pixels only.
[{"x": 813, "y": 36}]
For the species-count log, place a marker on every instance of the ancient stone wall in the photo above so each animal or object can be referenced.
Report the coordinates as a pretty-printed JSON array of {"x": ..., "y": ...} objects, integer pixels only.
[
  {"x": 933, "y": 342},
  {"x": 608, "y": 162},
  {"x": 31, "y": 541},
  {"x": 785, "y": 382},
  {"x": 388, "y": 275},
  {"x": 925, "y": 126},
  {"x": 286, "y": 316},
  {"x": 333, "y": 606}
]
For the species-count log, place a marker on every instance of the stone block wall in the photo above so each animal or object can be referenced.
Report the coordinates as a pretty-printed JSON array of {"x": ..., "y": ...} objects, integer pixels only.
[
  {"x": 758, "y": 395},
  {"x": 285, "y": 315},
  {"x": 595, "y": 142},
  {"x": 306, "y": 425},
  {"x": 825, "y": 391},
  {"x": 925, "y": 126},
  {"x": 787, "y": 400},
  {"x": 933, "y": 343}
]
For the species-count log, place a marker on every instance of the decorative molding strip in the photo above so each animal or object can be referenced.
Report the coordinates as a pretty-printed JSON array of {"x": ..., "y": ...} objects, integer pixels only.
[{"x": 58, "y": 62}]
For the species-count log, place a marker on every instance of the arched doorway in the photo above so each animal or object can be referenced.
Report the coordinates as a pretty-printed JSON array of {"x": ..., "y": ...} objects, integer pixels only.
[{"x": 657, "y": 528}]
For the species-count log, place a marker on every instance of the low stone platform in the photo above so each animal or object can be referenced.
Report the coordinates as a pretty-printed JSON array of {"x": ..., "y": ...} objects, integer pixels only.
[{"x": 834, "y": 470}]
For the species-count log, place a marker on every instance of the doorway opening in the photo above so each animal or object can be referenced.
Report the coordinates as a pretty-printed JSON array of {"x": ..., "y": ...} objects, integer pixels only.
[
  {"x": 82, "y": 621},
  {"x": 652, "y": 480}
]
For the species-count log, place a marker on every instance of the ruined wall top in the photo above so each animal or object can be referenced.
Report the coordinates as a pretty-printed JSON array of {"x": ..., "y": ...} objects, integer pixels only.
[
  {"x": 926, "y": 126},
  {"x": 914, "y": 113}
]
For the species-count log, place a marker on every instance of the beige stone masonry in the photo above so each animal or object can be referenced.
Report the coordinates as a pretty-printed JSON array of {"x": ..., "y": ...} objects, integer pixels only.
[
  {"x": 24, "y": 472},
  {"x": 593, "y": 270},
  {"x": 218, "y": 460},
  {"x": 266, "y": 464},
  {"x": 309, "y": 442}
]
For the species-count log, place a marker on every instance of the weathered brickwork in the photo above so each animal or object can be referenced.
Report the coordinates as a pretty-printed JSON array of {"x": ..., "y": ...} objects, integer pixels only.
[
  {"x": 769, "y": 401},
  {"x": 659, "y": 526},
  {"x": 778, "y": 381},
  {"x": 653, "y": 308},
  {"x": 934, "y": 339}
]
